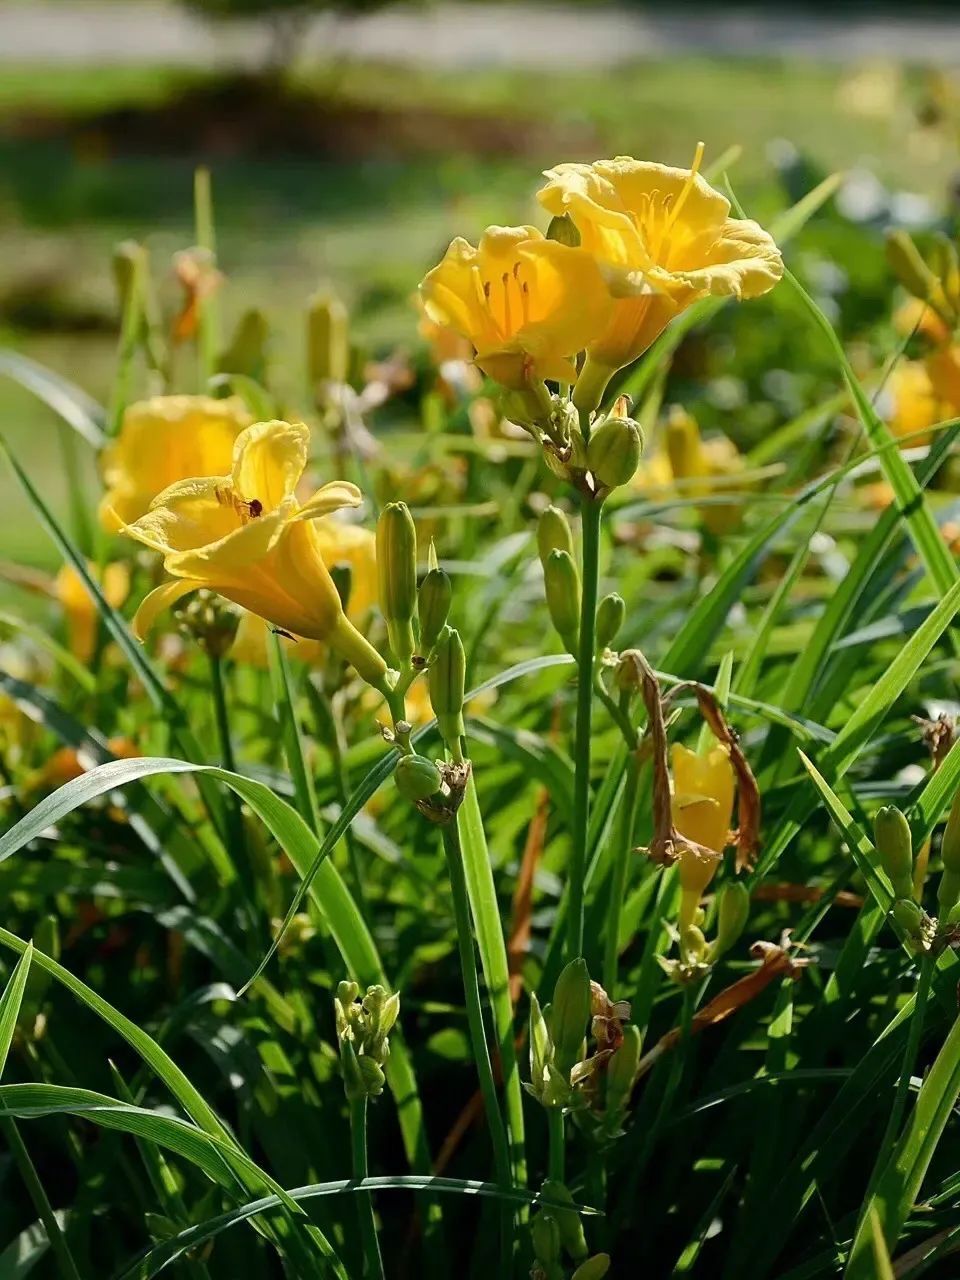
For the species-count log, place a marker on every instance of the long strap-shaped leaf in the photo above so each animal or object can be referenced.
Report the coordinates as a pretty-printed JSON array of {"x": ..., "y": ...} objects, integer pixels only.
[{"x": 66, "y": 399}]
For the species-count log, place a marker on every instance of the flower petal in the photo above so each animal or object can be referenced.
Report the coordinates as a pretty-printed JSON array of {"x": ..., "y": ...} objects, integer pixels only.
[
  {"x": 157, "y": 601},
  {"x": 268, "y": 461},
  {"x": 330, "y": 497}
]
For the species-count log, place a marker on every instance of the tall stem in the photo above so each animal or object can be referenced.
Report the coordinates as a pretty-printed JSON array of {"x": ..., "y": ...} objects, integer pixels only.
[
  {"x": 555, "y": 1152},
  {"x": 372, "y": 1260},
  {"x": 621, "y": 867},
  {"x": 471, "y": 992},
  {"x": 586, "y": 651},
  {"x": 234, "y": 816}
]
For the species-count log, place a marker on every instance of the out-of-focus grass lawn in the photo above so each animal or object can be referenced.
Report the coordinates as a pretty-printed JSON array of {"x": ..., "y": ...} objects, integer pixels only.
[{"x": 368, "y": 226}]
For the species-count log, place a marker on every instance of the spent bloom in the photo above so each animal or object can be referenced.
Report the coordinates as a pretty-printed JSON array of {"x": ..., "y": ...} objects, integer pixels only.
[
  {"x": 249, "y": 537},
  {"x": 664, "y": 239},
  {"x": 161, "y": 441},
  {"x": 527, "y": 304},
  {"x": 703, "y": 792}
]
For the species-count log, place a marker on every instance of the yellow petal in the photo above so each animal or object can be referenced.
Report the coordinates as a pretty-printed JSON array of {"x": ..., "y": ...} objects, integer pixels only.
[
  {"x": 187, "y": 514},
  {"x": 703, "y": 795},
  {"x": 160, "y": 599},
  {"x": 232, "y": 554},
  {"x": 452, "y": 295},
  {"x": 330, "y": 497},
  {"x": 268, "y": 461}
]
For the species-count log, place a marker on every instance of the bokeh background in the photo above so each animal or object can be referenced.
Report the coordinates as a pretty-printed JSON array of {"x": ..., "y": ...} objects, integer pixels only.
[{"x": 348, "y": 143}]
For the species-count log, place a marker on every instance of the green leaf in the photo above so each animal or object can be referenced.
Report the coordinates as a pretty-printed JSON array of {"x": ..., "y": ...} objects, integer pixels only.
[
  {"x": 11, "y": 1001},
  {"x": 65, "y": 398}
]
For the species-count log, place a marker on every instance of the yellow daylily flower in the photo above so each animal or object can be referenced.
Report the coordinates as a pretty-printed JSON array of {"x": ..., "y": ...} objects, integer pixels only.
[
  {"x": 527, "y": 304},
  {"x": 247, "y": 536},
  {"x": 340, "y": 543},
  {"x": 79, "y": 607},
  {"x": 664, "y": 239},
  {"x": 914, "y": 401},
  {"x": 943, "y": 367},
  {"x": 702, "y": 804},
  {"x": 164, "y": 440}
]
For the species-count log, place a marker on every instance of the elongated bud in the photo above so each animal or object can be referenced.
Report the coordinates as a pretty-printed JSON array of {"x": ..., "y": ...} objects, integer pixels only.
[
  {"x": 545, "y": 1233},
  {"x": 950, "y": 849},
  {"x": 417, "y": 778},
  {"x": 397, "y": 574},
  {"x": 611, "y": 612},
  {"x": 594, "y": 1268},
  {"x": 562, "y": 582},
  {"x": 328, "y": 339},
  {"x": 130, "y": 261},
  {"x": 908, "y": 265},
  {"x": 569, "y": 1014},
  {"x": 446, "y": 678},
  {"x": 909, "y": 917},
  {"x": 948, "y": 891},
  {"x": 247, "y": 351},
  {"x": 433, "y": 605},
  {"x": 684, "y": 446},
  {"x": 354, "y": 1084},
  {"x": 564, "y": 230},
  {"x": 622, "y": 1070},
  {"x": 891, "y": 835},
  {"x": 733, "y": 911},
  {"x": 568, "y": 1219},
  {"x": 613, "y": 453},
  {"x": 553, "y": 533}
]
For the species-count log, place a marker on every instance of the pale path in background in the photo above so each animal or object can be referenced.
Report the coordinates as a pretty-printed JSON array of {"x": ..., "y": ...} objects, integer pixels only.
[{"x": 461, "y": 35}]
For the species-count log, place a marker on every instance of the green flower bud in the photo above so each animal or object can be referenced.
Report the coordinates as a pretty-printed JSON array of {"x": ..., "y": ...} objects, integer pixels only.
[
  {"x": 545, "y": 1234},
  {"x": 908, "y": 265},
  {"x": 894, "y": 844},
  {"x": 371, "y": 1073},
  {"x": 948, "y": 891},
  {"x": 417, "y": 778},
  {"x": 562, "y": 582},
  {"x": 553, "y": 534},
  {"x": 569, "y": 1014},
  {"x": 328, "y": 339},
  {"x": 433, "y": 605},
  {"x": 130, "y": 262},
  {"x": 733, "y": 909},
  {"x": 568, "y": 1219},
  {"x": 354, "y": 1083},
  {"x": 563, "y": 229},
  {"x": 613, "y": 452},
  {"x": 541, "y": 1049},
  {"x": 908, "y": 916},
  {"x": 693, "y": 944},
  {"x": 446, "y": 679},
  {"x": 622, "y": 1070},
  {"x": 953, "y": 915},
  {"x": 594, "y": 1268},
  {"x": 950, "y": 849},
  {"x": 611, "y": 612},
  {"x": 246, "y": 353},
  {"x": 397, "y": 575}
]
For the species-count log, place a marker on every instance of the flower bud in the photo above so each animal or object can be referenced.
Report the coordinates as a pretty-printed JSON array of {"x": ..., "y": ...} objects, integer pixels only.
[
  {"x": 417, "y": 778},
  {"x": 909, "y": 917},
  {"x": 613, "y": 452},
  {"x": 611, "y": 612},
  {"x": 570, "y": 1013},
  {"x": 622, "y": 1070},
  {"x": 733, "y": 909},
  {"x": 894, "y": 844},
  {"x": 567, "y": 1219},
  {"x": 948, "y": 892},
  {"x": 908, "y": 265},
  {"x": 397, "y": 575},
  {"x": 562, "y": 583},
  {"x": 693, "y": 944},
  {"x": 545, "y": 1234},
  {"x": 950, "y": 849},
  {"x": 354, "y": 1085},
  {"x": 553, "y": 533},
  {"x": 594, "y": 1268},
  {"x": 446, "y": 680},
  {"x": 433, "y": 605},
  {"x": 328, "y": 339},
  {"x": 130, "y": 261}
]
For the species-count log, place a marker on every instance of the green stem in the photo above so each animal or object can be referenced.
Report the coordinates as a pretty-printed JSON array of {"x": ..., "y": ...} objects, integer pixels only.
[
  {"x": 45, "y": 1213},
  {"x": 471, "y": 991},
  {"x": 234, "y": 815},
  {"x": 555, "y": 1153},
  {"x": 131, "y": 323},
  {"x": 372, "y": 1260},
  {"x": 207, "y": 321},
  {"x": 620, "y": 874},
  {"x": 586, "y": 653}
]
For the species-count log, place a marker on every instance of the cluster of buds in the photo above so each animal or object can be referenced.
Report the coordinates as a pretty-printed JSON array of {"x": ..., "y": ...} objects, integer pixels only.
[
  {"x": 363, "y": 1029},
  {"x": 593, "y": 1082},
  {"x": 894, "y": 846},
  {"x": 696, "y": 955},
  {"x": 606, "y": 460},
  {"x": 562, "y": 585},
  {"x": 557, "y": 1231},
  {"x": 209, "y": 620}
]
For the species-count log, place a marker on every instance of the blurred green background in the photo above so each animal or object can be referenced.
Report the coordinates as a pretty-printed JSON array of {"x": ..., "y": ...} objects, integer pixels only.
[{"x": 356, "y": 174}]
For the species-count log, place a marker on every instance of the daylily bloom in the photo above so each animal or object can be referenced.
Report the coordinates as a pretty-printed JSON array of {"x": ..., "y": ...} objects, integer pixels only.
[
  {"x": 163, "y": 440},
  {"x": 702, "y": 805},
  {"x": 664, "y": 239},
  {"x": 341, "y": 544},
  {"x": 527, "y": 304},
  {"x": 82, "y": 614},
  {"x": 247, "y": 536},
  {"x": 915, "y": 403}
]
